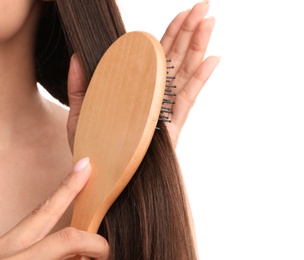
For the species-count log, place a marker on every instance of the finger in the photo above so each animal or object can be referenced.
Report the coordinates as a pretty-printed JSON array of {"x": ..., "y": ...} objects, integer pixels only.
[
  {"x": 194, "y": 56},
  {"x": 186, "y": 98},
  {"x": 42, "y": 220},
  {"x": 181, "y": 44},
  {"x": 196, "y": 52},
  {"x": 65, "y": 244},
  {"x": 171, "y": 32},
  {"x": 76, "y": 91}
]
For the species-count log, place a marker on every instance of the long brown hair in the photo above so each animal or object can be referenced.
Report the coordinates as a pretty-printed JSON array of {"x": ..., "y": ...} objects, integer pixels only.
[{"x": 150, "y": 219}]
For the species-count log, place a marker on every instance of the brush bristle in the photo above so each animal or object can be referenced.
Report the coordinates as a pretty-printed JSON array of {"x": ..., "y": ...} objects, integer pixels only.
[{"x": 169, "y": 96}]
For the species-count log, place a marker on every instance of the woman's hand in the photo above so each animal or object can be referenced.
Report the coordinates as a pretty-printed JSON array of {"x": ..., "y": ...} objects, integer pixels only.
[
  {"x": 185, "y": 43},
  {"x": 76, "y": 91},
  {"x": 30, "y": 239}
]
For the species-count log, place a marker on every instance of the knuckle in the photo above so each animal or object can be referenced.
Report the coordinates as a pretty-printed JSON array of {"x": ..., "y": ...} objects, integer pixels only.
[
  {"x": 187, "y": 97},
  {"x": 77, "y": 242},
  {"x": 70, "y": 236},
  {"x": 46, "y": 209},
  {"x": 66, "y": 183},
  {"x": 43, "y": 207},
  {"x": 68, "y": 186},
  {"x": 197, "y": 46},
  {"x": 198, "y": 76},
  {"x": 185, "y": 73}
]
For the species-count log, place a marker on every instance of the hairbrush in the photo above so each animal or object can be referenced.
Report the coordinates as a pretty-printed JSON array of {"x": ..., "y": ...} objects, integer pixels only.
[{"x": 118, "y": 117}]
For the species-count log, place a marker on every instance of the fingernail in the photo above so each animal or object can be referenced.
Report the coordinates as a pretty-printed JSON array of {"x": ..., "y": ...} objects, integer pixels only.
[
  {"x": 74, "y": 55},
  {"x": 72, "y": 58},
  {"x": 81, "y": 164}
]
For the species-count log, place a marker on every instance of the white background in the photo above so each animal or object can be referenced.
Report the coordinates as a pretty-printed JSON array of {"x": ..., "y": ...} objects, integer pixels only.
[{"x": 242, "y": 147}]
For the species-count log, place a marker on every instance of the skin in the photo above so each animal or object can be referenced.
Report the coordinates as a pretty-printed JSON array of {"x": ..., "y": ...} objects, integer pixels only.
[
  {"x": 36, "y": 167},
  {"x": 31, "y": 165}
]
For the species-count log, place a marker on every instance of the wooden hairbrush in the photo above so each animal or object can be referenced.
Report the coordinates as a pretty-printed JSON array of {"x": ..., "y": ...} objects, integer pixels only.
[{"x": 117, "y": 121}]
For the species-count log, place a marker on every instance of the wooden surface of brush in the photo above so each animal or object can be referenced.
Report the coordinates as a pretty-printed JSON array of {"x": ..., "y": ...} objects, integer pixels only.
[{"x": 117, "y": 121}]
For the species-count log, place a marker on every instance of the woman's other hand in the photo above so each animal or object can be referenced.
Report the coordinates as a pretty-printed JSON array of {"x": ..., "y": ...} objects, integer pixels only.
[
  {"x": 185, "y": 43},
  {"x": 30, "y": 238}
]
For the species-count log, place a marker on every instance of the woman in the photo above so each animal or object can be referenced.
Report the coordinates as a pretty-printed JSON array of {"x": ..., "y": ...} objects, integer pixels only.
[{"x": 34, "y": 146}]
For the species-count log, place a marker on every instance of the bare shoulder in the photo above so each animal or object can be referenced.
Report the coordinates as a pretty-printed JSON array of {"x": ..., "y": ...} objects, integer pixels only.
[
  {"x": 54, "y": 138},
  {"x": 35, "y": 165}
]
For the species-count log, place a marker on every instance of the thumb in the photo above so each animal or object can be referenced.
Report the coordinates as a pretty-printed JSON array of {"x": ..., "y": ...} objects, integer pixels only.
[{"x": 77, "y": 87}]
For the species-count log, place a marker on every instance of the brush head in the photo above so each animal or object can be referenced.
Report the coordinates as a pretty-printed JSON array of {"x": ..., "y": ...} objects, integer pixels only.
[{"x": 117, "y": 121}]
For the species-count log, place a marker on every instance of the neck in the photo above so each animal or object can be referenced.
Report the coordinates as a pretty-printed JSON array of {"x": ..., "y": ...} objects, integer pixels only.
[
  {"x": 19, "y": 96},
  {"x": 17, "y": 77}
]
